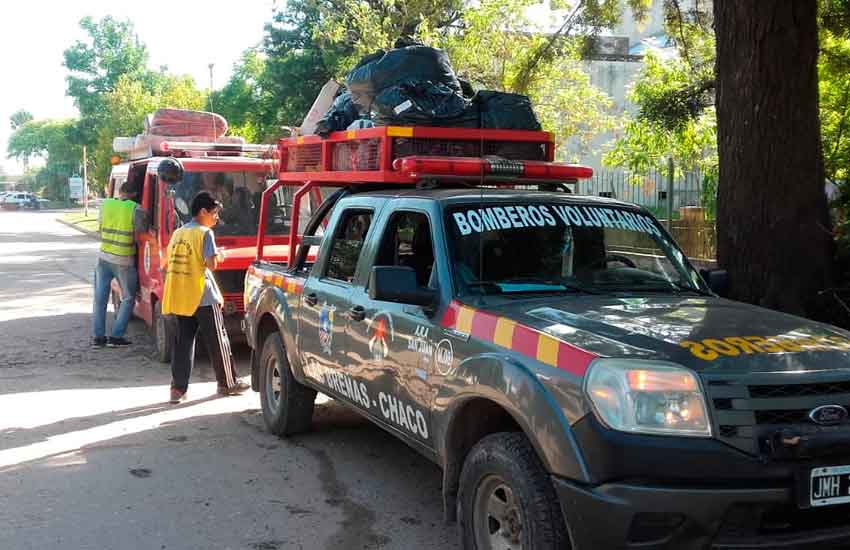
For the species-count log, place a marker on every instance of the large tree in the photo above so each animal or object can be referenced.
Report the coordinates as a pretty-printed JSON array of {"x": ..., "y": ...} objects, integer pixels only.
[
  {"x": 110, "y": 50},
  {"x": 773, "y": 225}
]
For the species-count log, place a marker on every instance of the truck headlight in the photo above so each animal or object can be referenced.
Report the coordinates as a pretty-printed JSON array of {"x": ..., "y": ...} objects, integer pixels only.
[{"x": 648, "y": 397}]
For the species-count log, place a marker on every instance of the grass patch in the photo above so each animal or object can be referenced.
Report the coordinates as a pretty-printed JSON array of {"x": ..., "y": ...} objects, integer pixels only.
[{"x": 82, "y": 221}]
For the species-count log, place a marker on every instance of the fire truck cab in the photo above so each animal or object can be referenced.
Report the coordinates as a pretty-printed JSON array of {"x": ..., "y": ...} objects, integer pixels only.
[{"x": 237, "y": 174}]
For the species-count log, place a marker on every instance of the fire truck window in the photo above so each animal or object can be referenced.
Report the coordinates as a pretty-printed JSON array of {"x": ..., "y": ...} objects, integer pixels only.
[
  {"x": 347, "y": 243},
  {"x": 134, "y": 183},
  {"x": 240, "y": 194},
  {"x": 154, "y": 201},
  {"x": 407, "y": 242}
]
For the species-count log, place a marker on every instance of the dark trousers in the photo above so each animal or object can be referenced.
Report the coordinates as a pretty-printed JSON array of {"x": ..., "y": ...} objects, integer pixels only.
[{"x": 209, "y": 321}]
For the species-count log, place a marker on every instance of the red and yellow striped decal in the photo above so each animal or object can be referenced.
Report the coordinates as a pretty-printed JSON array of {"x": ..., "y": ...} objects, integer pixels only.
[
  {"x": 287, "y": 284},
  {"x": 517, "y": 337}
]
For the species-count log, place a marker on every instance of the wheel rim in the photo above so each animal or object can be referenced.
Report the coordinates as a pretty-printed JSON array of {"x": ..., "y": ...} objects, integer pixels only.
[
  {"x": 496, "y": 516},
  {"x": 273, "y": 384}
]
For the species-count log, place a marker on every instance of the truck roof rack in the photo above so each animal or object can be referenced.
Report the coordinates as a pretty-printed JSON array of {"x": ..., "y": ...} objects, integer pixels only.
[{"x": 414, "y": 156}]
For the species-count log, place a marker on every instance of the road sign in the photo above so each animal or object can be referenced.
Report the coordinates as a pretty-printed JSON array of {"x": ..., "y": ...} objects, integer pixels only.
[{"x": 75, "y": 186}]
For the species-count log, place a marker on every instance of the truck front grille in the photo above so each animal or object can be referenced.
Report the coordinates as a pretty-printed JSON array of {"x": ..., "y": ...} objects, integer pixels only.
[
  {"x": 748, "y": 412},
  {"x": 799, "y": 390}
]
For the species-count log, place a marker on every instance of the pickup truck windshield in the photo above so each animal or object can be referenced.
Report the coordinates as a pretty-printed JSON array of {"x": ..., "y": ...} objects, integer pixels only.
[
  {"x": 240, "y": 193},
  {"x": 551, "y": 247}
]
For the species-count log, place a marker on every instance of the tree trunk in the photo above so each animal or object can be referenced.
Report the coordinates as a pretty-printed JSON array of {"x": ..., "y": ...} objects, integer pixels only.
[{"x": 773, "y": 231}]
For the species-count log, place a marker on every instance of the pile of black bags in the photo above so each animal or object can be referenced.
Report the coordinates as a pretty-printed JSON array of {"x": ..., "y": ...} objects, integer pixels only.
[{"x": 415, "y": 85}]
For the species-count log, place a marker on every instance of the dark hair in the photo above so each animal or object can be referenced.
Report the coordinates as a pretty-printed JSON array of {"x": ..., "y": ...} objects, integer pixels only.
[{"x": 204, "y": 201}]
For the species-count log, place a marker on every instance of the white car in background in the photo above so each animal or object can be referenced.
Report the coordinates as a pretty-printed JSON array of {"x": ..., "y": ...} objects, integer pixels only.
[{"x": 18, "y": 199}]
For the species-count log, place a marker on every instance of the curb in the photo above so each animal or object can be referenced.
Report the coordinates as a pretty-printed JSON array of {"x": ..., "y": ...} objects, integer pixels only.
[{"x": 91, "y": 234}]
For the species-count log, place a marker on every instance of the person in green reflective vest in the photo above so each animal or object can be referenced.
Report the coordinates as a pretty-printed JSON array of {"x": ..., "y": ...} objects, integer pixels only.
[{"x": 116, "y": 260}]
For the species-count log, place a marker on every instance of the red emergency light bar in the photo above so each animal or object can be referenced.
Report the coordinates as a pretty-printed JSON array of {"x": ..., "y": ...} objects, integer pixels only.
[{"x": 416, "y": 167}]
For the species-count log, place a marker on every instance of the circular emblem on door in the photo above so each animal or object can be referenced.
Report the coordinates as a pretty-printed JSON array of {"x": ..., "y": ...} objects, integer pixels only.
[{"x": 828, "y": 415}]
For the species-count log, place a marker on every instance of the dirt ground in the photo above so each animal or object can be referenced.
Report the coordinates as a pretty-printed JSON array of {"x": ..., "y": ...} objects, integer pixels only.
[{"x": 92, "y": 457}]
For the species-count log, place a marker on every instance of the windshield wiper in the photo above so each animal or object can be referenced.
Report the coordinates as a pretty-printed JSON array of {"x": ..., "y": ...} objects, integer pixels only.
[{"x": 673, "y": 288}]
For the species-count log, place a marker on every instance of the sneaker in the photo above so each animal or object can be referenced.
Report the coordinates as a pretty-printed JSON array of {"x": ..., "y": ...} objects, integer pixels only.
[
  {"x": 98, "y": 342},
  {"x": 239, "y": 388},
  {"x": 177, "y": 396},
  {"x": 114, "y": 342}
]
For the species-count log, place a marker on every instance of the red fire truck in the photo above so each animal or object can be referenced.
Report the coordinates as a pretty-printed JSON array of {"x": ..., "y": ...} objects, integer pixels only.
[{"x": 237, "y": 174}]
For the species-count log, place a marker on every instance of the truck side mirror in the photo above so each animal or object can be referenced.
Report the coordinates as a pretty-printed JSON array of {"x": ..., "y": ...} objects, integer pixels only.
[
  {"x": 716, "y": 279},
  {"x": 389, "y": 283}
]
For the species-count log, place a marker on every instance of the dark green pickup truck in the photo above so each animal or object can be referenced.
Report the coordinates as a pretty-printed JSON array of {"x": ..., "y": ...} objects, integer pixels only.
[{"x": 577, "y": 380}]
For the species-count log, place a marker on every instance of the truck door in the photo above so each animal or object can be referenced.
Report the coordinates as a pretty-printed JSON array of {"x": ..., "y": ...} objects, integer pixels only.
[
  {"x": 396, "y": 345},
  {"x": 324, "y": 310},
  {"x": 150, "y": 279}
]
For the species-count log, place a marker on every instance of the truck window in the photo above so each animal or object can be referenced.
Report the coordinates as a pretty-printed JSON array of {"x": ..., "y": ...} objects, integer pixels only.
[
  {"x": 154, "y": 200},
  {"x": 240, "y": 194},
  {"x": 407, "y": 242},
  {"x": 347, "y": 242}
]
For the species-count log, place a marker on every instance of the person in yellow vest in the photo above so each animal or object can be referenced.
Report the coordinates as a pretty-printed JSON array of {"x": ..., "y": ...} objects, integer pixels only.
[
  {"x": 116, "y": 260},
  {"x": 193, "y": 297}
]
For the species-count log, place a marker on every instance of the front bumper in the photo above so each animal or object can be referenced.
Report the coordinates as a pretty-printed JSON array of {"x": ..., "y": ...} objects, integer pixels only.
[{"x": 653, "y": 517}]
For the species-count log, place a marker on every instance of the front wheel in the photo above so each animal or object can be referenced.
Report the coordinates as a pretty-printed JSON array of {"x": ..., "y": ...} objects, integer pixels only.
[
  {"x": 287, "y": 405},
  {"x": 506, "y": 500},
  {"x": 164, "y": 333}
]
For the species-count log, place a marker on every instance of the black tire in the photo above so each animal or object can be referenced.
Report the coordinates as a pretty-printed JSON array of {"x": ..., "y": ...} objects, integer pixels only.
[
  {"x": 164, "y": 333},
  {"x": 506, "y": 499},
  {"x": 287, "y": 405}
]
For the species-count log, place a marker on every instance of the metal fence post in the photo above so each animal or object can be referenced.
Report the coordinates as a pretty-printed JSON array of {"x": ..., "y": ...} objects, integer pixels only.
[{"x": 670, "y": 194}]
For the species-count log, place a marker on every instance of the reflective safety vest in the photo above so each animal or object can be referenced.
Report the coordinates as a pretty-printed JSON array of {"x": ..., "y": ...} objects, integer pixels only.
[
  {"x": 116, "y": 227},
  {"x": 185, "y": 274}
]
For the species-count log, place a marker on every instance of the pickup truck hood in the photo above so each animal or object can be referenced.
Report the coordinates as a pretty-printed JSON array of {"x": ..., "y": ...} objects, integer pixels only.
[{"x": 704, "y": 333}]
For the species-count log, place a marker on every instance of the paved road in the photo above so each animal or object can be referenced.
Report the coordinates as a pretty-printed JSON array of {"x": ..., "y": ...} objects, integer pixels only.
[{"x": 91, "y": 456}]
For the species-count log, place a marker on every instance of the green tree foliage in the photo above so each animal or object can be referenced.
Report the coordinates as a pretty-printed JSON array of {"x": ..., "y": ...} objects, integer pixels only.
[
  {"x": 247, "y": 102},
  {"x": 675, "y": 104},
  {"x": 834, "y": 76},
  {"x": 653, "y": 136},
  {"x": 110, "y": 51},
  {"x": 126, "y": 106},
  {"x": 498, "y": 47},
  {"x": 300, "y": 60},
  {"x": 19, "y": 118},
  {"x": 56, "y": 142}
]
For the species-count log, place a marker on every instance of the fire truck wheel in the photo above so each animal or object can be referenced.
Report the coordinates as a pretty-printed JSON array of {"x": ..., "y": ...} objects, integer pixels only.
[
  {"x": 163, "y": 333},
  {"x": 506, "y": 499},
  {"x": 287, "y": 405}
]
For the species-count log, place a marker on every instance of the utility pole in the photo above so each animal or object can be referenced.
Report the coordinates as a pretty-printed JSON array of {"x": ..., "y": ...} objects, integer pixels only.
[{"x": 85, "y": 185}]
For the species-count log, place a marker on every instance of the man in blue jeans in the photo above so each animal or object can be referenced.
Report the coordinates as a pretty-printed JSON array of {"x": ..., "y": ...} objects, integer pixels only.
[{"x": 116, "y": 260}]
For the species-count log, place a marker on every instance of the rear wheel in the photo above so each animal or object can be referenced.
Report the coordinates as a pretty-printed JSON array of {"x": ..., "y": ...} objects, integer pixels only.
[
  {"x": 164, "y": 334},
  {"x": 506, "y": 499},
  {"x": 287, "y": 405}
]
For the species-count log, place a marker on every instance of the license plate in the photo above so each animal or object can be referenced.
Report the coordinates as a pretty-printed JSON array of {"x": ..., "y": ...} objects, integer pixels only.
[{"x": 830, "y": 485}]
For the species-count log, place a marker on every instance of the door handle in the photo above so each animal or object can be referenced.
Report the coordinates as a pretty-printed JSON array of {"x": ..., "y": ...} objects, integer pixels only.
[
  {"x": 311, "y": 299},
  {"x": 357, "y": 313}
]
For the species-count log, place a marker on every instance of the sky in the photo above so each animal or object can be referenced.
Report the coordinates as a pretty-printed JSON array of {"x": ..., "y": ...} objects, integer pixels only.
[{"x": 185, "y": 35}]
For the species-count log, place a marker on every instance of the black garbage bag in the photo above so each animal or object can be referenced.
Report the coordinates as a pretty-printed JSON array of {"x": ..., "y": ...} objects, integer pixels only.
[
  {"x": 341, "y": 114},
  {"x": 407, "y": 64},
  {"x": 505, "y": 111},
  {"x": 422, "y": 104}
]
